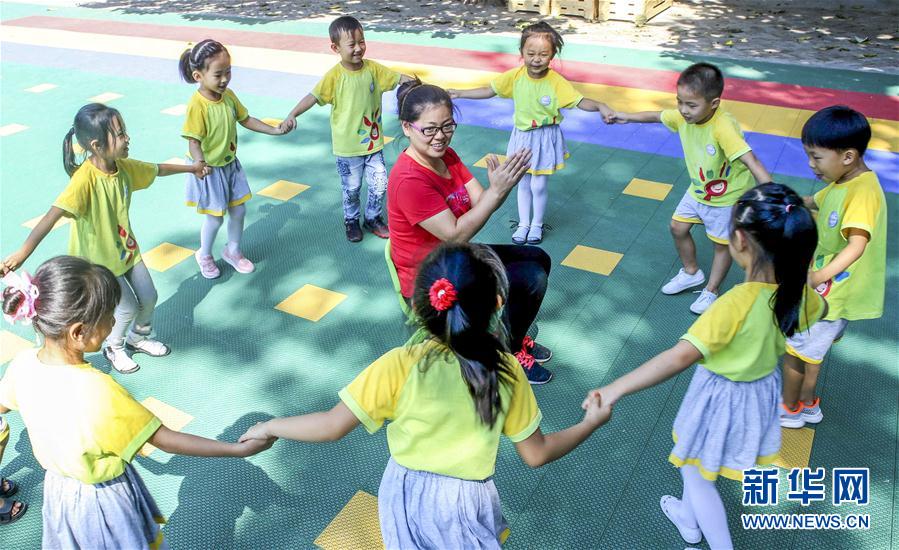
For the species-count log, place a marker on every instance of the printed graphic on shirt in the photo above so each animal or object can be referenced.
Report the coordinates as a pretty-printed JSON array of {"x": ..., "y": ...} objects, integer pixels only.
[
  {"x": 713, "y": 187},
  {"x": 126, "y": 245},
  {"x": 371, "y": 128},
  {"x": 459, "y": 201}
]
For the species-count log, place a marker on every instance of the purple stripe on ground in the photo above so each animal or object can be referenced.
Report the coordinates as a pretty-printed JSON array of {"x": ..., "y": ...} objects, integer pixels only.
[{"x": 781, "y": 155}]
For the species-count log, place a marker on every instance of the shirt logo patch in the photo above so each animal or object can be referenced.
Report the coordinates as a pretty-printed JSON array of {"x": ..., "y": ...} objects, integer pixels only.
[
  {"x": 545, "y": 100},
  {"x": 710, "y": 149},
  {"x": 833, "y": 219},
  {"x": 371, "y": 88}
]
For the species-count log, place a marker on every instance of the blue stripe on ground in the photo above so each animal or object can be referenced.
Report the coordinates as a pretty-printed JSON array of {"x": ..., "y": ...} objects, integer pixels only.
[{"x": 781, "y": 155}]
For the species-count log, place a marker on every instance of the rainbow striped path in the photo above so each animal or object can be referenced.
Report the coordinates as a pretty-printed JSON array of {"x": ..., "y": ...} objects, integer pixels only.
[{"x": 772, "y": 112}]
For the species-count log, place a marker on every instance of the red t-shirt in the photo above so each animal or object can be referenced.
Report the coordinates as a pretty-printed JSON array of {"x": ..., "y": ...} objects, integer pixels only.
[{"x": 414, "y": 194}]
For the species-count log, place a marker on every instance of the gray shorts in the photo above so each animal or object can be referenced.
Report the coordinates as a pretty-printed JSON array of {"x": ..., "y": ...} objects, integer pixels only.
[
  {"x": 812, "y": 345},
  {"x": 715, "y": 218}
]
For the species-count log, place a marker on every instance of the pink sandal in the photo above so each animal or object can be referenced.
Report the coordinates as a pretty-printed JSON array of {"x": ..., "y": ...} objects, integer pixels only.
[{"x": 238, "y": 262}]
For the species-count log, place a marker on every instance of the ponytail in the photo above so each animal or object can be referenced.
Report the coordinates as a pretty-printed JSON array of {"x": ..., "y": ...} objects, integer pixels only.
[
  {"x": 93, "y": 122},
  {"x": 197, "y": 57},
  {"x": 455, "y": 301},
  {"x": 782, "y": 233},
  {"x": 68, "y": 152}
]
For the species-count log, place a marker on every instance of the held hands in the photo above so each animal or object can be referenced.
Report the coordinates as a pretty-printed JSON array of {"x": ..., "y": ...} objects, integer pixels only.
[
  {"x": 12, "y": 262},
  {"x": 251, "y": 447},
  {"x": 201, "y": 169},
  {"x": 616, "y": 117},
  {"x": 608, "y": 115},
  {"x": 287, "y": 125},
  {"x": 256, "y": 433},
  {"x": 597, "y": 410},
  {"x": 503, "y": 177}
]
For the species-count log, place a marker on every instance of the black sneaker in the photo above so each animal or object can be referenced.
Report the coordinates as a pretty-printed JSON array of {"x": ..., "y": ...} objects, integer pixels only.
[
  {"x": 541, "y": 354},
  {"x": 535, "y": 372},
  {"x": 353, "y": 232},
  {"x": 377, "y": 227}
]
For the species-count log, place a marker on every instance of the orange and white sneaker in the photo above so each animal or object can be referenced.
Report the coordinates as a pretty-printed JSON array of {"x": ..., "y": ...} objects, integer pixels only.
[
  {"x": 791, "y": 418},
  {"x": 811, "y": 414}
]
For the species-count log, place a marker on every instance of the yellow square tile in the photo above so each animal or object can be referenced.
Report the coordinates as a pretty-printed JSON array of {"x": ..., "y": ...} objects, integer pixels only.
[
  {"x": 795, "y": 447},
  {"x": 175, "y": 160},
  {"x": 166, "y": 255},
  {"x": 387, "y": 139},
  {"x": 283, "y": 190},
  {"x": 172, "y": 418},
  {"x": 30, "y": 224},
  {"x": 11, "y": 129},
  {"x": 11, "y": 344},
  {"x": 355, "y": 526},
  {"x": 483, "y": 162},
  {"x": 648, "y": 189},
  {"x": 273, "y": 121},
  {"x": 40, "y": 88},
  {"x": 175, "y": 110},
  {"x": 592, "y": 259},
  {"x": 105, "y": 97},
  {"x": 311, "y": 302}
]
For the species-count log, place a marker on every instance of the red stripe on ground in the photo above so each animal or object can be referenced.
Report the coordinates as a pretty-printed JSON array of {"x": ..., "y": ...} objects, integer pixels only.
[{"x": 752, "y": 91}]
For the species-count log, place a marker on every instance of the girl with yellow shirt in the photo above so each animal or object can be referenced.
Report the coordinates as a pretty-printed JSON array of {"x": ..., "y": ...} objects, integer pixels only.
[
  {"x": 85, "y": 428},
  {"x": 98, "y": 197},
  {"x": 729, "y": 419},
  {"x": 448, "y": 398}
]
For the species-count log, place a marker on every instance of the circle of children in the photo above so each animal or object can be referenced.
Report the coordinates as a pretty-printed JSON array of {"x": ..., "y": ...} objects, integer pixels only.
[{"x": 450, "y": 393}]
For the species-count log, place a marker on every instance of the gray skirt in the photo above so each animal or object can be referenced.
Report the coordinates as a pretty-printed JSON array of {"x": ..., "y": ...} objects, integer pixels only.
[
  {"x": 426, "y": 510},
  {"x": 115, "y": 514},
  {"x": 222, "y": 189},
  {"x": 724, "y": 427},
  {"x": 547, "y": 145}
]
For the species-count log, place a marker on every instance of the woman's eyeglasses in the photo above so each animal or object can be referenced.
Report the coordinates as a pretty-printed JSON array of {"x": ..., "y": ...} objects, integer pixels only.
[{"x": 431, "y": 131}]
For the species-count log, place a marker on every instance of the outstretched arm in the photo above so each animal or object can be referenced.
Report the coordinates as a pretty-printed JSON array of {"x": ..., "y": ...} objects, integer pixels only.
[
  {"x": 643, "y": 116},
  {"x": 314, "y": 427},
  {"x": 592, "y": 105},
  {"x": 43, "y": 227},
  {"x": 199, "y": 168},
  {"x": 253, "y": 123},
  {"x": 539, "y": 449},
  {"x": 655, "y": 371},
  {"x": 756, "y": 168},
  {"x": 180, "y": 443},
  {"x": 290, "y": 122},
  {"x": 476, "y": 93}
]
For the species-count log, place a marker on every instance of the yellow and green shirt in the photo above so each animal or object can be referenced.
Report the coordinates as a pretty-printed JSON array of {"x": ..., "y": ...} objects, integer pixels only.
[
  {"x": 712, "y": 151},
  {"x": 738, "y": 335},
  {"x": 355, "y": 98},
  {"x": 433, "y": 423},
  {"x": 859, "y": 203},
  {"x": 99, "y": 203},
  {"x": 537, "y": 101},
  {"x": 214, "y": 125},
  {"x": 81, "y": 422}
]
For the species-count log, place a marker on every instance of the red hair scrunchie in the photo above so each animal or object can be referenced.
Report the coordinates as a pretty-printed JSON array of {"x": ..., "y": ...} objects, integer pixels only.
[{"x": 442, "y": 294}]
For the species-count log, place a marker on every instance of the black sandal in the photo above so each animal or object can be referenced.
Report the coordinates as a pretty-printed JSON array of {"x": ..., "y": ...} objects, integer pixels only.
[
  {"x": 12, "y": 487},
  {"x": 6, "y": 515}
]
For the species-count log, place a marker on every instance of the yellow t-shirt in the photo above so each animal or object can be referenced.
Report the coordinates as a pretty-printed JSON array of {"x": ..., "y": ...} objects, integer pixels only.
[
  {"x": 434, "y": 426},
  {"x": 537, "y": 101},
  {"x": 355, "y": 98},
  {"x": 99, "y": 203},
  {"x": 81, "y": 422},
  {"x": 738, "y": 335},
  {"x": 712, "y": 151},
  {"x": 859, "y": 203},
  {"x": 214, "y": 125}
]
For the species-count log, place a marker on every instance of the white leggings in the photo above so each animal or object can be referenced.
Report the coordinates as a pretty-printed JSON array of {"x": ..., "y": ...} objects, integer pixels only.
[
  {"x": 211, "y": 225},
  {"x": 136, "y": 306},
  {"x": 532, "y": 192},
  {"x": 702, "y": 507}
]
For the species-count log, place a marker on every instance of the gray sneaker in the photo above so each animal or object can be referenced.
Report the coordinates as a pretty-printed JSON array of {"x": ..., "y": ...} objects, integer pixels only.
[{"x": 811, "y": 414}]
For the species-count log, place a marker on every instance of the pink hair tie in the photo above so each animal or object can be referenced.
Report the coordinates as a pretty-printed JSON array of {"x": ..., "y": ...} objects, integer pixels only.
[
  {"x": 25, "y": 311},
  {"x": 788, "y": 208},
  {"x": 442, "y": 294}
]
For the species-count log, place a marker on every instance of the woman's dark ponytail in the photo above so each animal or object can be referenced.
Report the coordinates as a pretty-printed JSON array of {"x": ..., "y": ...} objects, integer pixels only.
[
  {"x": 783, "y": 233},
  {"x": 467, "y": 326}
]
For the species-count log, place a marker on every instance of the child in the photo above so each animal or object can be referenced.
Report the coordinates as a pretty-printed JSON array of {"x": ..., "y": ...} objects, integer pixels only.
[
  {"x": 539, "y": 93},
  {"x": 849, "y": 266},
  {"x": 98, "y": 197},
  {"x": 10, "y": 510},
  {"x": 353, "y": 87},
  {"x": 721, "y": 166},
  {"x": 448, "y": 399},
  {"x": 728, "y": 419},
  {"x": 84, "y": 427},
  {"x": 211, "y": 134}
]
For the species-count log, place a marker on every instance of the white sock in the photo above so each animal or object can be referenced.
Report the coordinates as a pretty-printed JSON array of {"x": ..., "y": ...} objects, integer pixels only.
[{"x": 208, "y": 232}]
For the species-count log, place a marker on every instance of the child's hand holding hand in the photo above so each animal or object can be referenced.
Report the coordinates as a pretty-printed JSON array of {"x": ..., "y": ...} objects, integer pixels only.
[
  {"x": 258, "y": 432},
  {"x": 201, "y": 169},
  {"x": 12, "y": 262},
  {"x": 287, "y": 125},
  {"x": 616, "y": 117},
  {"x": 597, "y": 412},
  {"x": 608, "y": 115},
  {"x": 254, "y": 446}
]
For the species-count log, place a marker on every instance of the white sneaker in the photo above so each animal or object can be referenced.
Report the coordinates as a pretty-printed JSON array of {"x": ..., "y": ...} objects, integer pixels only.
[
  {"x": 143, "y": 344},
  {"x": 670, "y": 504},
  {"x": 703, "y": 302},
  {"x": 682, "y": 281},
  {"x": 120, "y": 360}
]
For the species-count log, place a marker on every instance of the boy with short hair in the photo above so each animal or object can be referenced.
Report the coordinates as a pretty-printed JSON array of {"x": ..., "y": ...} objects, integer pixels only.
[
  {"x": 353, "y": 88},
  {"x": 849, "y": 266},
  {"x": 721, "y": 166}
]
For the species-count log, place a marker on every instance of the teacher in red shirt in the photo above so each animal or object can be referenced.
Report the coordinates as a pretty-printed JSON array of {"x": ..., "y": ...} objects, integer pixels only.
[{"x": 432, "y": 197}]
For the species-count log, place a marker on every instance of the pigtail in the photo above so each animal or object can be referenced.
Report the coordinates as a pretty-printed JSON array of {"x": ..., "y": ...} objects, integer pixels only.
[
  {"x": 791, "y": 263},
  {"x": 68, "y": 152},
  {"x": 184, "y": 67}
]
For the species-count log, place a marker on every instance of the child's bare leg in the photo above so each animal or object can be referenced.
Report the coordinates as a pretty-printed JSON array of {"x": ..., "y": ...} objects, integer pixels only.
[
  {"x": 794, "y": 374},
  {"x": 809, "y": 382},
  {"x": 683, "y": 242},
  {"x": 720, "y": 266}
]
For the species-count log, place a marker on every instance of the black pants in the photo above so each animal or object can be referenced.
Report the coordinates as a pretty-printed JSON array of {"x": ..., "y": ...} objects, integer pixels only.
[{"x": 527, "y": 268}]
